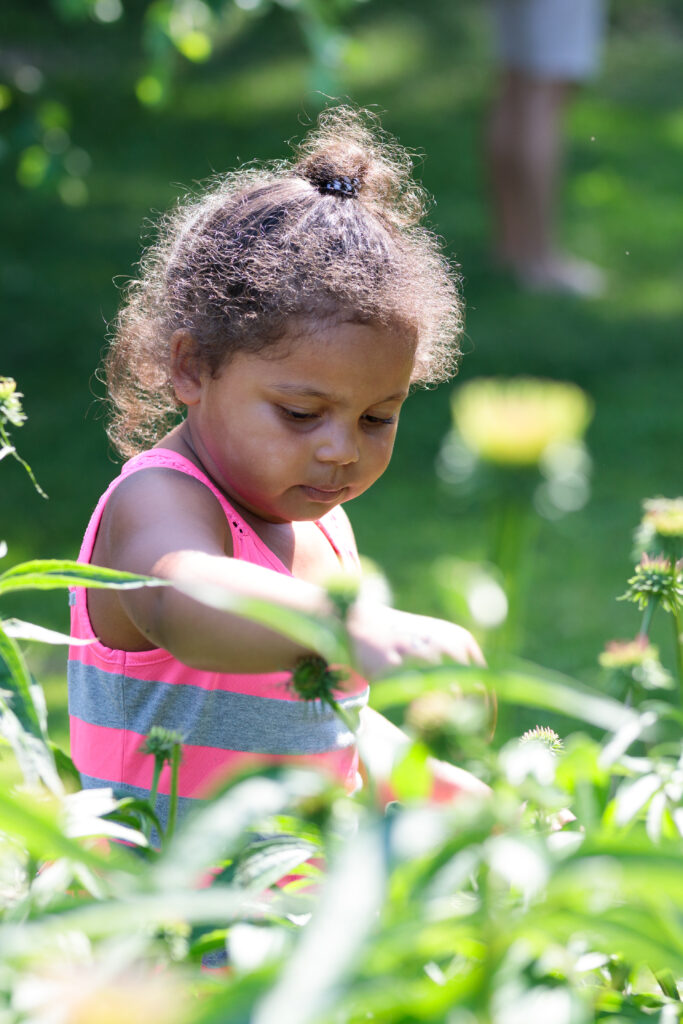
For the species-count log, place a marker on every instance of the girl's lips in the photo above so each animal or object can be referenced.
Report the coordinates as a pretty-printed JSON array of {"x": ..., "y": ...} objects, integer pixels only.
[{"x": 323, "y": 496}]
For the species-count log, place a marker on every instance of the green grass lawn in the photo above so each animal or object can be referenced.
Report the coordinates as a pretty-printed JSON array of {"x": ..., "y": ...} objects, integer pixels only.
[{"x": 429, "y": 68}]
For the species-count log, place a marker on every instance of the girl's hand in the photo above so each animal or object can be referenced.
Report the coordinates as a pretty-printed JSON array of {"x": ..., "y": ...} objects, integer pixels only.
[{"x": 386, "y": 638}]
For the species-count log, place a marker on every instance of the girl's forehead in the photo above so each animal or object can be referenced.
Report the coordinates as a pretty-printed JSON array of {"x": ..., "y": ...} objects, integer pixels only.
[
  {"x": 342, "y": 339},
  {"x": 351, "y": 342},
  {"x": 335, "y": 358}
]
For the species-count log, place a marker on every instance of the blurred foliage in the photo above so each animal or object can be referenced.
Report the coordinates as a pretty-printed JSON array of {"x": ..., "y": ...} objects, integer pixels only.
[
  {"x": 556, "y": 897},
  {"x": 37, "y": 126}
]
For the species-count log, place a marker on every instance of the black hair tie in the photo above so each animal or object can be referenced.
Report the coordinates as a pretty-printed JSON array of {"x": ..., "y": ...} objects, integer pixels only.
[{"x": 342, "y": 186}]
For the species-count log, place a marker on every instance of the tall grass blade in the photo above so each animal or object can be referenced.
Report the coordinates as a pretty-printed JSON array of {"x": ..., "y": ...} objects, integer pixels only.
[
  {"x": 525, "y": 688},
  {"x": 50, "y": 574},
  {"x": 332, "y": 942},
  {"x": 325, "y": 636},
  {"x": 16, "y": 678}
]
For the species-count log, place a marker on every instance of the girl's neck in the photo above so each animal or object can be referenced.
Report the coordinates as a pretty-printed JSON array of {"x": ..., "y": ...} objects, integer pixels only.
[
  {"x": 179, "y": 440},
  {"x": 304, "y": 548}
]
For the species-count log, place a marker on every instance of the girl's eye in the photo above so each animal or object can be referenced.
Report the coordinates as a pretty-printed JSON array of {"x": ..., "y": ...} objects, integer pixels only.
[
  {"x": 296, "y": 414},
  {"x": 377, "y": 421}
]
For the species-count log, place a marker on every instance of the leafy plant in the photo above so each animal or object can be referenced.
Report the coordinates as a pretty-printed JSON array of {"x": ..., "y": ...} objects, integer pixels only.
[{"x": 490, "y": 910}]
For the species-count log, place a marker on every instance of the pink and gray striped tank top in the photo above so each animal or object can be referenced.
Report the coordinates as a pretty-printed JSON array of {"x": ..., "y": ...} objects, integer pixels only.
[{"x": 227, "y": 720}]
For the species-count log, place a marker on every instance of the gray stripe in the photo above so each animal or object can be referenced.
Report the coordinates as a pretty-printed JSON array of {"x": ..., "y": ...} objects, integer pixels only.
[{"x": 212, "y": 718}]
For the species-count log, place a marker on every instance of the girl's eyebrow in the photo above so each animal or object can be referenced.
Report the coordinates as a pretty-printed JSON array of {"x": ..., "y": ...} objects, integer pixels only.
[{"x": 305, "y": 391}]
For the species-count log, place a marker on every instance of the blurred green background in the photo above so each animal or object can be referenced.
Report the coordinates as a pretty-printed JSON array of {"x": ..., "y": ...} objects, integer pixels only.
[{"x": 129, "y": 123}]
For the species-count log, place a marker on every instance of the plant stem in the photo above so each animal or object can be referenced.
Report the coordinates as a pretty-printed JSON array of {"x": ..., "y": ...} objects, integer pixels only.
[
  {"x": 9, "y": 449},
  {"x": 511, "y": 542},
  {"x": 173, "y": 803},
  {"x": 352, "y": 723},
  {"x": 346, "y": 718},
  {"x": 647, "y": 618},
  {"x": 678, "y": 647},
  {"x": 158, "y": 765}
]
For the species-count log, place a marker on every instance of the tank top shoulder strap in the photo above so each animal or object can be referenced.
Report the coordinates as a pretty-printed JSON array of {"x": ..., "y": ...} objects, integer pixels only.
[
  {"x": 247, "y": 545},
  {"x": 334, "y": 525},
  {"x": 243, "y": 536}
]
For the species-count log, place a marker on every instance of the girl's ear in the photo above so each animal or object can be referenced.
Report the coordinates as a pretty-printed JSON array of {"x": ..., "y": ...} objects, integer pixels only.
[{"x": 185, "y": 367}]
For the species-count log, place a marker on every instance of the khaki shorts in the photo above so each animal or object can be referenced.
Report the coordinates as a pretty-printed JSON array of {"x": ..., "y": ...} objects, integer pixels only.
[{"x": 558, "y": 39}]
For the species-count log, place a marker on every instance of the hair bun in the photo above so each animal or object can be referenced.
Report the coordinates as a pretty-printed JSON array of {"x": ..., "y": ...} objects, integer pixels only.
[
  {"x": 337, "y": 173},
  {"x": 342, "y": 186},
  {"x": 348, "y": 154}
]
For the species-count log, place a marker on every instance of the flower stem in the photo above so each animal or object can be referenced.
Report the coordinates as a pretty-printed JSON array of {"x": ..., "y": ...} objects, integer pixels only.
[
  {"x": 158, "y": 765},
  {"x": 678, "y": 647},
  {"x": 647, "y": 618},
  {"x": 513, "y": 529},
  {"x": 9, "y": 449},
  {"x": 173, "y": 802},
  {"x": 348, "y": 720}
]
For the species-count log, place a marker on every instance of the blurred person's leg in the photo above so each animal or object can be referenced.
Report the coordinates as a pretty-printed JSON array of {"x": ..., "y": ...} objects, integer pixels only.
[{"x": 545, "y": 47}]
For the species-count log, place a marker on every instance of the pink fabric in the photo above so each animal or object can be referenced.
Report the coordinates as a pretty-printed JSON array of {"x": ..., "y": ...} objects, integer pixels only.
[
  {"x": 110, "y": 751},
  {"x": 203, "y": 768}
]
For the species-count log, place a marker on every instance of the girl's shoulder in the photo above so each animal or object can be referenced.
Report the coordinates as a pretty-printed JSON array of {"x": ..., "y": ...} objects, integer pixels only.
[
  {"x": 166, "y": 469},
  {"x": 162, "y": 495}
]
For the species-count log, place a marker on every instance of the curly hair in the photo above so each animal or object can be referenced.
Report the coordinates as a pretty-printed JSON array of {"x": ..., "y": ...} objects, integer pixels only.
[{"x": 269, "y": 243}]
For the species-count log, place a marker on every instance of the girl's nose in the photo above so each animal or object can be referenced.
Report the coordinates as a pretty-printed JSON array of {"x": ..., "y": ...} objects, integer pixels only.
[{"x": 339, "y": 446}]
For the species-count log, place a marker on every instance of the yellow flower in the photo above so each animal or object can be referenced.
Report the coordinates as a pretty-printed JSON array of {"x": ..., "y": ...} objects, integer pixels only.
[
  {"x": 664, "y": 516},
  {"x": 513, "y": 421}
]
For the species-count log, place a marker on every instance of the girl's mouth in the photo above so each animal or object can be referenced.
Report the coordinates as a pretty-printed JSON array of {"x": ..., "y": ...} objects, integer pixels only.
[{"x": 324, "y": 496}]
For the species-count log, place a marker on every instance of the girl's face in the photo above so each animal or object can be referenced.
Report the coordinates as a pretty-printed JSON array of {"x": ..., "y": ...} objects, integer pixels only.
[{"x": 288, "y": 437}]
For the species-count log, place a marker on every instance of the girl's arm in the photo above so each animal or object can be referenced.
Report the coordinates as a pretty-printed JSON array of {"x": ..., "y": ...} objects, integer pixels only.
[
  {"x": 162, "y": 523},
  {"x": 166, "y": 524},
  {"x": 381, "y": 745}
]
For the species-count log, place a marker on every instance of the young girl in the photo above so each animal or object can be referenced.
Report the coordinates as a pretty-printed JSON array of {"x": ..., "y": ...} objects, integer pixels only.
[{"x": 287, "y": 312}]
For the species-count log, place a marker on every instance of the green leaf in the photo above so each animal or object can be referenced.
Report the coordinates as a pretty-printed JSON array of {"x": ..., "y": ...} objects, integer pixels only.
[
  {"x": 532, "y": 687},
  {"x": 627, "y": 734},
  {"x": 131, "y": 807},
  {"x": 36, "y": 822},
  {"x": 636, "y": 934},
  {"x": 68, "y": 772},
  {"x": 350, "y": 902},
  {"x": 19, "y": 630},
  {"x": 216, "y": 830},
  {"x": 327, "y": 636},
  {"x": 633, "y": 795},
  {"x": 51, "y": 574},
  {"x": 210, "y": 942},
  {"x": 411, "y": 778},
  {"x": 135, "y": 911},
  {"x": 667, "y": 983},
  {"x": 269, "y": 860},
  {"x": 15, "y": 676},
  {"x": 33, "y": 754},
  {"x": 655, "y": 816},
  {"x": 624, "y": 870}
]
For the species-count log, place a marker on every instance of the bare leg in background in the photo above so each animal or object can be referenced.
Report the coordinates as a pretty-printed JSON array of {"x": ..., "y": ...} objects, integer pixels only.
[{"x": 524, "y": 152}]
